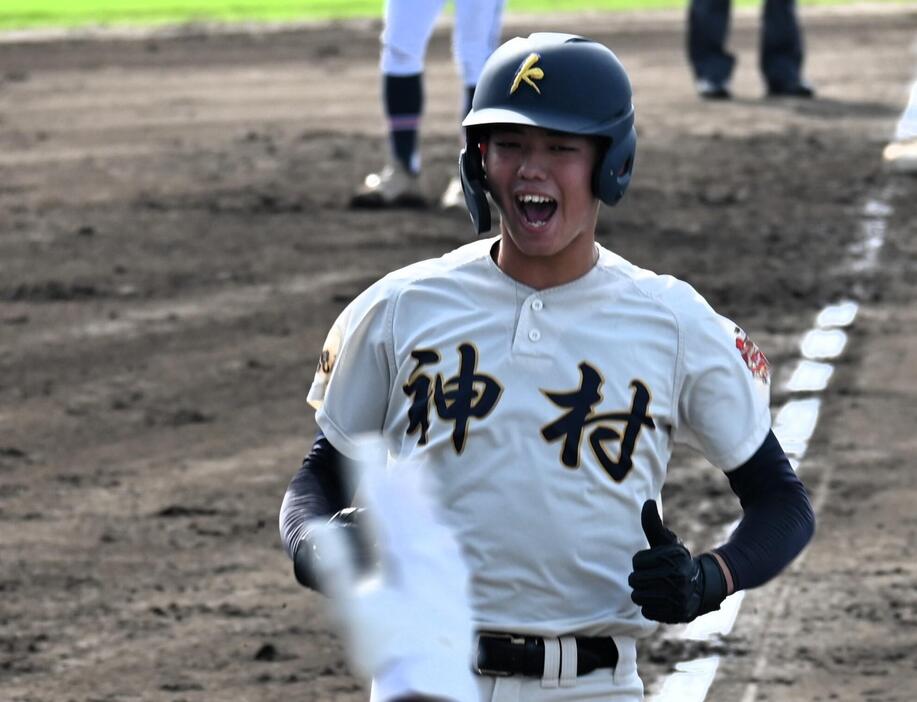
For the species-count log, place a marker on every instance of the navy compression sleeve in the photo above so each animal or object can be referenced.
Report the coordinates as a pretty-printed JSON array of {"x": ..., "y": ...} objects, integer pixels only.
[
  {"x": 318, "y": 489},
  {"x": 778, "y": 520}
]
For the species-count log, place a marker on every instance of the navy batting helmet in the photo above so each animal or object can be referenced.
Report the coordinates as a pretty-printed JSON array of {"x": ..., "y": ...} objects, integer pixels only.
[{"x": 555, "y": 81}]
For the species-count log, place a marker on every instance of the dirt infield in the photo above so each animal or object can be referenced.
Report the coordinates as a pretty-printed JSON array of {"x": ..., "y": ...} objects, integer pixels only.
[{"x": 175, "y": 242}]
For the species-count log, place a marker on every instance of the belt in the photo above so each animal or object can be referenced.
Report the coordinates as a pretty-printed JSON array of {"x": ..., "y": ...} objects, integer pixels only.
[{"x": 511, "y": 654}]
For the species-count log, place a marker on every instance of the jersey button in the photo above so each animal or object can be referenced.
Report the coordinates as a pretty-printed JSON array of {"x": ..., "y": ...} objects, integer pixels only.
[
  {"x": 537, "y": 305},
  {"x": 534, "y": 335}
]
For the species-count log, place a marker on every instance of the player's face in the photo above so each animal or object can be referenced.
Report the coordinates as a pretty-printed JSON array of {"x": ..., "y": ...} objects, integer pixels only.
[{"x": 542, "y": 182}]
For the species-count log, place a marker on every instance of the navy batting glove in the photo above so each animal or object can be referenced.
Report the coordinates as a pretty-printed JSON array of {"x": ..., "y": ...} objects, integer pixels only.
[
  {"x": 668, "y": 583},
  {"x": 307, "y": 553}
]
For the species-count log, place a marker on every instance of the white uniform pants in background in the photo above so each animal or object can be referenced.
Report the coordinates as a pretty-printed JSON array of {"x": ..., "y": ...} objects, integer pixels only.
[{"x": 409, "y": 25}]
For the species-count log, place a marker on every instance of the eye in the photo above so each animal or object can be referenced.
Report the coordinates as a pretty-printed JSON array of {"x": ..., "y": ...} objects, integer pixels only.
[
  {"x": 565, "y": 148},
  {"x": 507, "y": 144}
]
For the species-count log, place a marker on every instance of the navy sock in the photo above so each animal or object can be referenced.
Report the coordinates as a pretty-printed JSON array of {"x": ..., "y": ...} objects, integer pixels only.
[{"x": 403, "y": 97}]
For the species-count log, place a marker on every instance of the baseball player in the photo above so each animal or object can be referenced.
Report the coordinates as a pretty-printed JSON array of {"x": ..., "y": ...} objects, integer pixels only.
[
  {"x": 543, "y": 380},
  {"x": 408, "y": 27}
]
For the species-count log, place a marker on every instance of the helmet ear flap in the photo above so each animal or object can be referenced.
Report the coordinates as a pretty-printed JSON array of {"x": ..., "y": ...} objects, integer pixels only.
[
  {"x": 474, "y": 186},
  {"x": 614, "y": 172}
]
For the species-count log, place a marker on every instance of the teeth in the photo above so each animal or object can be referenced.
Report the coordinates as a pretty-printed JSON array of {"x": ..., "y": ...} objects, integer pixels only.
[{"x": 534, "y": 198}]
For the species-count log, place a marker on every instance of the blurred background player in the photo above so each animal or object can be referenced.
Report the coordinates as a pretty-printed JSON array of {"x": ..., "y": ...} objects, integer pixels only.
[
  {"x": 408, "y": 27},
  {"x": 542, "y": 381},
  {"x": 781, "y": 49}
]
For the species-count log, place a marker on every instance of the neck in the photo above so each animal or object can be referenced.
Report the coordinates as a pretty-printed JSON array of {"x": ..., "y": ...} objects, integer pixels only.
[{"x": 542, "y": 272}]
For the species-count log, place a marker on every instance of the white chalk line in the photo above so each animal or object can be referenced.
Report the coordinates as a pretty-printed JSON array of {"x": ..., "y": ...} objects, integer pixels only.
[{"x": 793, "y": 425}]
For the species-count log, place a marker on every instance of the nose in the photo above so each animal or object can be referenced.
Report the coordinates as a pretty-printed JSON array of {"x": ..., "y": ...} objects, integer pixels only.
[{"x": 532, "y": 164}]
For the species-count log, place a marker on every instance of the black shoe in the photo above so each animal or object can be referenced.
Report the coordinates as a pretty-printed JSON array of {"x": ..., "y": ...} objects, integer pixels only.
[
  {"x": 799, "y": 90},
  {"x": 712, "y": 90}
]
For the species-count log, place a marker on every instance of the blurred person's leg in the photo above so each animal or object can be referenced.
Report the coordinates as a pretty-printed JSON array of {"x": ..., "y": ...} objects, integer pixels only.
[
  {"x": 708, "y": 29},
  {"x": 408, "y": 27},
  {"x": 781, "y": 50},
  {"x": 476, "y": 35}
]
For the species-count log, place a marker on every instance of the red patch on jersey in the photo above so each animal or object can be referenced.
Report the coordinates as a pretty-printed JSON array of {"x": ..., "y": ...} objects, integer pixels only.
[{"x": 753, "y": 356}]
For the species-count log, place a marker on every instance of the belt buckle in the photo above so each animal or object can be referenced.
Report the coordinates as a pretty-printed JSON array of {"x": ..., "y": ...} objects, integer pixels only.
[{"x": 502, "y": 637}]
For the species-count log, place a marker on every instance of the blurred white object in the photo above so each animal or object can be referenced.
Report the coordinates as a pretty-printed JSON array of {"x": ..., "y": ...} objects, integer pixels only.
[
  {"x": 408, "y": 625},
  {"x": 901, "y": 154},
  {"x": 907, "y": 124},
  {"x": 452, "y": 196},
  {"x": 393, "y": 186}
]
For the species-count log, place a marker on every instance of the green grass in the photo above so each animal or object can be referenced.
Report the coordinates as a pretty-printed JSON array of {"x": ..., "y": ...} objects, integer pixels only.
[{"x": 15, "y": 14}]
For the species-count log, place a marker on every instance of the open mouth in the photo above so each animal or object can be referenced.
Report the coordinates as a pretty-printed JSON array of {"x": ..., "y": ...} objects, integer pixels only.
[{"x": 536, "y": 210}]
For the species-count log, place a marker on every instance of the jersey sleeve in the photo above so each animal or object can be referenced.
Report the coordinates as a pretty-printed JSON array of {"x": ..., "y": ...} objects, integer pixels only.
[
  {"x": 722, "y": 385},
  {"x": 351, "y": 387}
]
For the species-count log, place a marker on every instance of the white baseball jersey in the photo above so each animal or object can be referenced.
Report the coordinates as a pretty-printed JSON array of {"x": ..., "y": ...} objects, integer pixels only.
[{"x": 548, "y": 417}]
